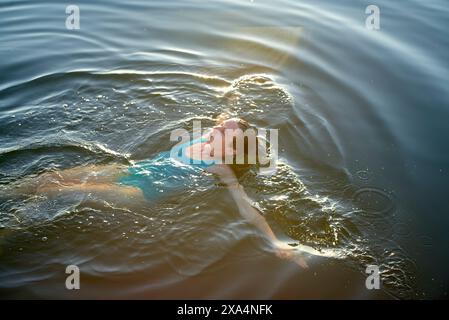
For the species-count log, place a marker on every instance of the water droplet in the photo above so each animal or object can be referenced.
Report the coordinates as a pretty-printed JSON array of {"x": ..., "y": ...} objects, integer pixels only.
[{"x": 363, "y": 174}]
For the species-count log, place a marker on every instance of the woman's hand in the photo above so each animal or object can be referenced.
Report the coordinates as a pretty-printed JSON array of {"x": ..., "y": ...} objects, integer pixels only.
[
  {"x": 247, "y": 210},
  {"x": 284, "y": 251}
]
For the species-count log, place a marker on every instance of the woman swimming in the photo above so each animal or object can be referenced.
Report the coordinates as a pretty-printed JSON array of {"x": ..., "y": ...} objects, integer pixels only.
[{"x": 148, "y": 180}]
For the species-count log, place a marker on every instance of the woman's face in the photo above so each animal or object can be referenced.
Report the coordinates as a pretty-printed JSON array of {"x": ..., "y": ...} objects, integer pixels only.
[{"x": 218, "y": 133}]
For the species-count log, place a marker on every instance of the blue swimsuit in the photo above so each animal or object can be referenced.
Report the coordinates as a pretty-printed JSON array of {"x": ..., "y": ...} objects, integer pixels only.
[{"x": 163, "y": 173}]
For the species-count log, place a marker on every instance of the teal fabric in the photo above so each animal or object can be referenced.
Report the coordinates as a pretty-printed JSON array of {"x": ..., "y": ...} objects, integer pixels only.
[{"x": 162, "y": 174}]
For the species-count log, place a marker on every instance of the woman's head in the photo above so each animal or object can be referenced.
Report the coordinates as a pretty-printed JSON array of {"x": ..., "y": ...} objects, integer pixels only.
[{"x": 242, "y": 141}]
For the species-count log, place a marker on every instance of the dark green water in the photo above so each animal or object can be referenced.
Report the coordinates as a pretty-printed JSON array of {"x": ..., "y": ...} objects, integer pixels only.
[{"x": 363, "y": 134}]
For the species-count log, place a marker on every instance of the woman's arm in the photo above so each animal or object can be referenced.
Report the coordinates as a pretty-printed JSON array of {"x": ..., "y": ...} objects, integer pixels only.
[{"x": 250, "y": 213}]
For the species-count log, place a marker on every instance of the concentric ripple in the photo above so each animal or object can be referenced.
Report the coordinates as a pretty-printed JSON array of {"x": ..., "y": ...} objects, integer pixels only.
[{"x": 360, "y": 114}]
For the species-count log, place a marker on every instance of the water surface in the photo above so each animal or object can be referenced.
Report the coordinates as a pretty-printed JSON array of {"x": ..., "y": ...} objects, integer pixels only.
[{"x": 362, "y": 118}]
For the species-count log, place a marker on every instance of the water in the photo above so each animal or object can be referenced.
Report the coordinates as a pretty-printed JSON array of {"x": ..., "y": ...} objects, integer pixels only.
[{"x": 362, "y": 118}]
